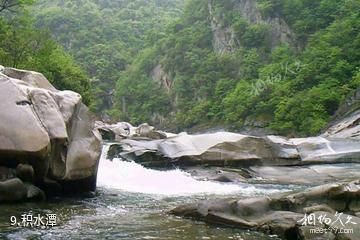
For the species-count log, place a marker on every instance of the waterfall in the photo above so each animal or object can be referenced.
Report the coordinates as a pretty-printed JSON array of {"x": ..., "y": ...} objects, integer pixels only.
[{"x": 132, "y": 177}]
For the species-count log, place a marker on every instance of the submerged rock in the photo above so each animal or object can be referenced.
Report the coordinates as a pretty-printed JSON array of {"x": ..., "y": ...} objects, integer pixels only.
[
  {"x": 15, "y": 190},
  {"x": 6, "y": 173},
  {"x": 46, "y": 133}
]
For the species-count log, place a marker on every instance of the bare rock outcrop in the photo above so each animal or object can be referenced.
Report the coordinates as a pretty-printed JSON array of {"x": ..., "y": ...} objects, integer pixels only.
[
  {"x": 346, "y": 123},
  {"x": 47, "y": 129},
  {"x": 224, "y": 37}
]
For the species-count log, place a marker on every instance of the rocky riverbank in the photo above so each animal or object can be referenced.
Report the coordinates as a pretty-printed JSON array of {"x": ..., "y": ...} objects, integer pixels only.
[
  {"x": 338, "y": 144},
  {"x": 50, "y": 145},
  {"x": 290, "y": 216},
  {"x": 330, "y": 162}
]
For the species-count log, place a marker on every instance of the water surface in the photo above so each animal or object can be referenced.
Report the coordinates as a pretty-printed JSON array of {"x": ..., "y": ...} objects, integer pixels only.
[{"x": 132, "y": 203}]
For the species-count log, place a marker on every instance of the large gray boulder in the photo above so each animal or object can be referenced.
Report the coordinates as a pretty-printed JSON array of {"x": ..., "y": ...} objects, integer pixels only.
[
  {"x": 48, "y": 129},
  {"x": 20, "y": 129}
]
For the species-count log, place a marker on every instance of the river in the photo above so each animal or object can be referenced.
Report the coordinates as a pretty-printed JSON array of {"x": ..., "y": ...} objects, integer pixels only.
[{"x": 131, "y": 202}]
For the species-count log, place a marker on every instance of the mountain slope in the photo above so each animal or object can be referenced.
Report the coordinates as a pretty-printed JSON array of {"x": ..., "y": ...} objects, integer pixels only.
[
  {"x": 282, "y": 65},
  {"x": 104, "y": 36}
]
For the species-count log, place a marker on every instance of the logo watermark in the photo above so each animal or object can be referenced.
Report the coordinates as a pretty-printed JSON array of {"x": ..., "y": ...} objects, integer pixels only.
[
  {"x": 338, "y": 223},
  {"x": 286, "y": 69}
]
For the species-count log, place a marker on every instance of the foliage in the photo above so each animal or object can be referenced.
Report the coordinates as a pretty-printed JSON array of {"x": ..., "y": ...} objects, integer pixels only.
[
  {"x": 154, "y": 61},
  {"x": 105, "y": 36},
  {"x": 24, "y": 46},
  {"x": 12, "y": 5},
  {"x": 293, "y": 89}
]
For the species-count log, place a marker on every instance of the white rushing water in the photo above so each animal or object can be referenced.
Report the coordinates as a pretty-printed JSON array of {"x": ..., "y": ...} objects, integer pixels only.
[{"x": 133, "y": 177}]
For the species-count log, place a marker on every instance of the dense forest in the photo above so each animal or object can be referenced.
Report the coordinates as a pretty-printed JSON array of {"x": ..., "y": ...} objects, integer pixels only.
[
  {"x": 104, "y": 36},
  {"x": 285, "y": 65},
  {"x": 280, "y": 65},
  {"x": 23, "y": 45}
]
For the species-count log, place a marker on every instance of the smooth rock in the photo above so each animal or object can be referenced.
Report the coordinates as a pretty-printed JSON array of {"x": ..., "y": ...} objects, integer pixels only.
[
  {"x": 35, "y": 79},
  {"x": 20, "y": 129},
  {"x": 82, "y": 164},
  {"x": 47, "y": 129},
  {"x": 231, "y": 149},
  {"x": 12, "y": 190}
]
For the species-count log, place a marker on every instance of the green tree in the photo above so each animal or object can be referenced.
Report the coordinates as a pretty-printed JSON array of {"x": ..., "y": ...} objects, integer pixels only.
[{"x": 25, "y": 46}]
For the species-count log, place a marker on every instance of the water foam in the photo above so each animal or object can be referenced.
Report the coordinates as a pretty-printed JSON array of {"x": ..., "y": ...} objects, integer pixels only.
[{"x": 133, "y": 177}]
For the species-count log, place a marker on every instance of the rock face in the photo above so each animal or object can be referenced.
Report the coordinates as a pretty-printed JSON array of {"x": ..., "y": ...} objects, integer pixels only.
[
  {"x": 224, "y": 37},
  {"x": 124, "y": 130},
  {"x": 164, "y": 79},
  {"x": 347, "y": 119},
  {"x": 286, "y": 215},
  {"x": 47, "y": 129}
]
